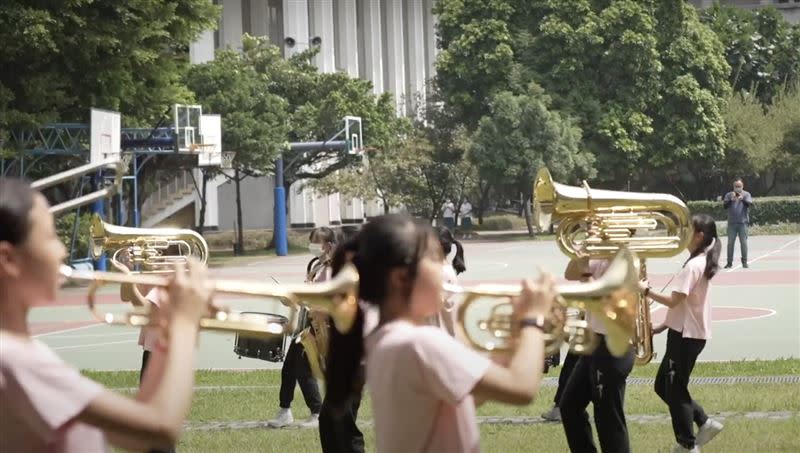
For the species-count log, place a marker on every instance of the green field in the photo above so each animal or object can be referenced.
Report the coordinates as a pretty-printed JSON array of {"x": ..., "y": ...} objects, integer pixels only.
[{"x": 219, "y": 400}]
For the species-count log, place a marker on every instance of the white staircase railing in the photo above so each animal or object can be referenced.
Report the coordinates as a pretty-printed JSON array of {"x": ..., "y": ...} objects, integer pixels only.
[{"x": 168, "y": 194}]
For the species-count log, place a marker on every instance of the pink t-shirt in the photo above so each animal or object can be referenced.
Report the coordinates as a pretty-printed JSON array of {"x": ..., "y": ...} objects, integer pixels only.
[
  {"x": 693, "y": 316},
  {"x": 420, "y": 380},
  {"x": 597, "y": 268},
  {"x": 40, "y": 396},
  {"x": 148, "y": 336}
]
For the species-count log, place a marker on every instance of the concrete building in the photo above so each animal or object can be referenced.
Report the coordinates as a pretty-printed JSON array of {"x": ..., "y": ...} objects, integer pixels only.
[
  {"x": 391, "y": 43},
  {"x": 789, "y": 8}
]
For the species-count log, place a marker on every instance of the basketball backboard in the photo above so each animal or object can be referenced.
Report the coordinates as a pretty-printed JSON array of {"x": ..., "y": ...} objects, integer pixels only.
[
  {"x": 353, "y": 134},
  {"x": 187, "y": 126},
  {"x": 210, "y": 151},
  {"x": 104, "y": 133}
]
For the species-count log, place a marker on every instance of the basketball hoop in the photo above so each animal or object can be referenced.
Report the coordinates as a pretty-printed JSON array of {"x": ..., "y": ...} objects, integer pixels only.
[{"x": 227, "y": 160}]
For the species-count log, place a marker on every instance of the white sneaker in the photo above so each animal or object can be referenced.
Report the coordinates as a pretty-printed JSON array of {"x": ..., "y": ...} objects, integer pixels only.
[
  {"x": 681, "y": 449},
  {"x": 707, "y": 432},
  {"x": 284, "y": 418},
  {"x": 311, "y": 422},
  {"x": 553, "y": 415}
]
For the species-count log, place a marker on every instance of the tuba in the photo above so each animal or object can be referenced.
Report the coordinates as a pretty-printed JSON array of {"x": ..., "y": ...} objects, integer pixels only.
[
  {"x": 600, "y": 222},
  {"x": 154, "y": 250},
  {"x": 485, "y": 317}
]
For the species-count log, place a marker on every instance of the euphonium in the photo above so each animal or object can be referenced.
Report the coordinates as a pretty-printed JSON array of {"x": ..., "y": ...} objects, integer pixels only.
[
  {"x": 155, "y": 249},
  {"x": 337, "y": 297},
  {"x": 600, "y": 222},
  {"x": 488, "y": 326}
]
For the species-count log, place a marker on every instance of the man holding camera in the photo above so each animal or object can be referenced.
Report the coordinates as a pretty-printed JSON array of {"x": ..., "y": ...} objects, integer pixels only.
[{"x": 738, "y": 204}]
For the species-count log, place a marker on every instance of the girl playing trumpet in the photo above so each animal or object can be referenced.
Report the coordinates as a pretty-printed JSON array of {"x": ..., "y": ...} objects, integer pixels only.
[
  {"x": 421, "y": 380},
  {"x": 47, "y": 404}
]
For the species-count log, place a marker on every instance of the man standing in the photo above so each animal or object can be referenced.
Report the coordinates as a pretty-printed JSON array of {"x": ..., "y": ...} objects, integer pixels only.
[{"x": 738, "y": 204}]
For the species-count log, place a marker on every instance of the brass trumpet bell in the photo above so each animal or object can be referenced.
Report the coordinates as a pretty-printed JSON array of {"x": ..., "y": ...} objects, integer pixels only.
[{"x": 486, "y": 315}]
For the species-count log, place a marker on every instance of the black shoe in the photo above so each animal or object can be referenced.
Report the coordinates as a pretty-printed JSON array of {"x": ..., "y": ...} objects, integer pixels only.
[
  {"x": 744, "y": 264},
  {"x": 728, "y": 266}
]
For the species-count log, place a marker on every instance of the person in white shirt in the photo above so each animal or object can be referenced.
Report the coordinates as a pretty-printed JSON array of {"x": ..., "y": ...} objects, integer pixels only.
[
  {"x": 449, "y": 214},
  {"x": 689, "y": 324}
]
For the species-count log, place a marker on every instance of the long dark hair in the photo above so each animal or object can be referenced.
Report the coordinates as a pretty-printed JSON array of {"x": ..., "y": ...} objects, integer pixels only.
[
  {"x": 16, "y": 202},
  {"x": 382, "y": 245},
  {"x": 704, "y": 223},
  {"x": 447, "y": 240}
]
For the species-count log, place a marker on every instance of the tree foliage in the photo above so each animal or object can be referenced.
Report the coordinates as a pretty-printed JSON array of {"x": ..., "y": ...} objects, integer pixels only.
[
  {"x": 623, "y": 69},
  {"x": 61, "y": 58},
  {"x": 761, "y": 47}
]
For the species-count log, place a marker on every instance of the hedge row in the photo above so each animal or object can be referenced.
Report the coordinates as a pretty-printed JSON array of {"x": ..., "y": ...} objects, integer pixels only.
[{"x": 765, "y": 210}]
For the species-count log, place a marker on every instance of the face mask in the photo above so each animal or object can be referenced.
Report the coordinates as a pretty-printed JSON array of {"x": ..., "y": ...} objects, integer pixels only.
[
  {"x": 737, "y": 189},
  {"x": 315, "y": 249}
]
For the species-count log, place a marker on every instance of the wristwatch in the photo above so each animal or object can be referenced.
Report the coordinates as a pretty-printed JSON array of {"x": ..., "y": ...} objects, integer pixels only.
[{"x": 537, "y": 322}]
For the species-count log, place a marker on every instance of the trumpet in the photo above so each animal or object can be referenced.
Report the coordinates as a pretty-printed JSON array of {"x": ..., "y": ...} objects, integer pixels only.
[
  {"x": 337, "y": 297},
  {"x": 486, "y": 314}
]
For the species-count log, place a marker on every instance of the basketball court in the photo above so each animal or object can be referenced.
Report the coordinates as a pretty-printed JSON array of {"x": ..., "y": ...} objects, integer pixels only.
[{"x": 756, "y": 311}]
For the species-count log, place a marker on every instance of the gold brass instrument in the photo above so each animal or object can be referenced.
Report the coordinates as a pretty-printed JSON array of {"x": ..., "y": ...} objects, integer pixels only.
[
  {"x": 107, "y": 191},
  {"x": 600, "y": 222},
  {"x": 337, "y": 297},
  {"x": 153, "y": 249},
  {"x": 315, "y": 344},
  {"x": 485, "y": 315}
]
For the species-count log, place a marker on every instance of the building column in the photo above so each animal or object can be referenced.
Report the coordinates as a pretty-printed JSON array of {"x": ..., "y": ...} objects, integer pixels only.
[
  {"x": 258, "y": 18},
  {"x": 295, "y": 26},
  {"x": 394, "y": 43},
  {"x": 212, "y": 200},
  {"x": 431, "y": 51},
  {"x": 321, "y": 25},
  {"x": 371, "y": 33},
  {"x": 230, "y": 29},
  {"x": 347, "y": 37},
  {"x": 415, "y": 51},
  {"x": 202, "y": 50}
]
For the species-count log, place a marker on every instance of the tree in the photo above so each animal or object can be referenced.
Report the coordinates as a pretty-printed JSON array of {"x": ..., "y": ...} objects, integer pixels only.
[
  {"x": 61, "y": 58},
  {"x": 761, "y": 48},
  {"x": 254, "y": 122},
  {"x": 621, "y": 68},
  {"x": 519, "y": 135}
]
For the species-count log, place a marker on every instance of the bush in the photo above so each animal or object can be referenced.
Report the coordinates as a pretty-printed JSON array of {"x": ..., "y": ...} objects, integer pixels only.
[
  {"x": 500, "y": 223},
  {"x": 765, "y": 210},
  {"x": 64, "y": 227}
]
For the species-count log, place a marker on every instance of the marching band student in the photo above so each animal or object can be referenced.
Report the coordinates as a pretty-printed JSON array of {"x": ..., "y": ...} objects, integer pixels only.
[
  {"x": 421, "y": 380},
  {"x": 452, "y": 266},
  {"x": 598, "y": 378},
  {"x": 573, "y": 272},
  {"x": 338, "y": 431},
  {"x": 47, "y": 404},
  {"x": 296, "y": 368},
  {"x": 689, "y": 323}
]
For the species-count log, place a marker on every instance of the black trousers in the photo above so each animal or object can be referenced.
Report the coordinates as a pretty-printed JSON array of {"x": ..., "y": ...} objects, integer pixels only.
[
  {"x": 296, "y": 370},
  {"x": 600, "y": 379},
  {"x": 672, "y": 385},
  {"x": 566, "y": 370},
  {"x": 145, "y": 359},
  {"x": 338, "y": 433}
]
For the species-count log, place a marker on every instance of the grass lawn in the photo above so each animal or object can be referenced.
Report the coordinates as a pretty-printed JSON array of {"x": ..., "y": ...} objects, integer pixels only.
[{"x": 742, "y": 434}]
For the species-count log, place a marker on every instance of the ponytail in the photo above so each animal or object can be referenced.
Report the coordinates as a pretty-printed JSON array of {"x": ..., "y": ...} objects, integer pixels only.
[
  {"x": 385, "y": 243},
  {"x": 711, "y": 245},
  {"x": 458, "y": 261}
]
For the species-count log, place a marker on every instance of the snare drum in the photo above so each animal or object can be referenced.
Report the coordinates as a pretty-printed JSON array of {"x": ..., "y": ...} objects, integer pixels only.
[{"x": 269, "y": 349}]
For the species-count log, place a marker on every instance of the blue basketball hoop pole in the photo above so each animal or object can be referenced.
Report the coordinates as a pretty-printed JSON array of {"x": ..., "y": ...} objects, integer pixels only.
[{"x": 281, "y": 241}]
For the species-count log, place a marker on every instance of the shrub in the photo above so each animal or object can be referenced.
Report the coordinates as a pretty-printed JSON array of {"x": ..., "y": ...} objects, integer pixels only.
[
  {"x": 64, "y": 227},
  {"x": 765, "y": 210},
  {"x": 496, "y": 223}
]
